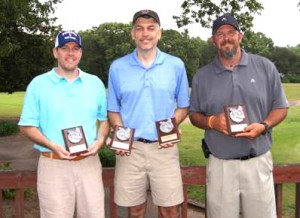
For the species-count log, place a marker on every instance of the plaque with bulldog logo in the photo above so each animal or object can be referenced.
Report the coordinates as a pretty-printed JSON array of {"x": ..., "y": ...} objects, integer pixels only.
[
  {"x": 167, "y": 131},
  {"x": 236, "y": 117},
  {"x": 122, "y": 138},
  {"x": 75, "y": 140}
]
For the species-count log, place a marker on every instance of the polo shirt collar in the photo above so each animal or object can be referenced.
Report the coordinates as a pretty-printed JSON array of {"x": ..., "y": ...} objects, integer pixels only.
[
  {"x": 57, "y": 78},
  {"x": 219, "y": 68},
  {"x": 159, "y": 59}
]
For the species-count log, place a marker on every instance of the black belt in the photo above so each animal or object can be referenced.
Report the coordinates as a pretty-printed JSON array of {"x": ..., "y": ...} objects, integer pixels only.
[
  {"x": 246, "y": 157},
  {"x": 145, "y": 140}
]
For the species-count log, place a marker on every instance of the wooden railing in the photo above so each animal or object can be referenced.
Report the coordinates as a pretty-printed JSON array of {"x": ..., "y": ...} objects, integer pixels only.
[
  {"x": 282, "y": 174},
  {"x": 190, "y": 175}
]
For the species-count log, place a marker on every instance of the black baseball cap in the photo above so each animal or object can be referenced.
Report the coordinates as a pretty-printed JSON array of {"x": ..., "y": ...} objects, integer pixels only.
[
  {"x": 225, "y": 20},
  {"x": 146, "y": 12}
]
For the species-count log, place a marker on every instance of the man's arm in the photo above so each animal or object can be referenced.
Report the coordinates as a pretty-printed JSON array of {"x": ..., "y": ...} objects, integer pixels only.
[
  {"x": 199, "y": 120},
  {"x": 181, "y": 114},
  {"x": 115, "y": 119},
  {"x": 35, "y": 135},
  {"x": 216, "y": 122},
  {"x": 103, "y": 130},
  {"x": 256, "y": 129},
  {"x": 276, "y": 116}
]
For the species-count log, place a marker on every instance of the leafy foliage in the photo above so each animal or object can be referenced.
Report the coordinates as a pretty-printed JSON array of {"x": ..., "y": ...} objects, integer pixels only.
[
  {"x": 6, "y": 166},
  {"x": 205, "y": 11},
  {"x": 7, "y": 193},
  {"x": 287, "y": 61},
  {"x": 25, "y": 31},
  {"x": 258, "y": 43},
  {"x": 192, "y": 51},
  {"x": 107, "y": 157},
  {"x": 7, "y": 128},
  {"x": 102, "y": 45}
]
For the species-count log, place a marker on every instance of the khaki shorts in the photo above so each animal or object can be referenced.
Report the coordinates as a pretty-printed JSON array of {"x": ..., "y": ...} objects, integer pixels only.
[{"x": 148, "y": 167}]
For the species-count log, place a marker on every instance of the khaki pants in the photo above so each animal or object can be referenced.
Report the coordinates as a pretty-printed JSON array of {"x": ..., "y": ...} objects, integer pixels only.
[
  {"x": 246, "y": 187},
  {"x": 67, "y": 186}
]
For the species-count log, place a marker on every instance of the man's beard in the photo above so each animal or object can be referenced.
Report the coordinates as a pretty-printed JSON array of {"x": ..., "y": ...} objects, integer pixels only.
[{"x": 228, "y": 54}]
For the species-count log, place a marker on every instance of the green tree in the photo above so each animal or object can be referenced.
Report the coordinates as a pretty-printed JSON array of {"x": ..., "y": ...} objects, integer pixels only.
[
  {"x": 25, "y": 32},
  {"x": 205, "y": 11},
  {"x": 102, "y": 45},
  {"x": 190, "y": 50},
  {"x": 257, "y": 43},
  {"x": 285, "y": 60},
  {"x": 295, "y": 49}
]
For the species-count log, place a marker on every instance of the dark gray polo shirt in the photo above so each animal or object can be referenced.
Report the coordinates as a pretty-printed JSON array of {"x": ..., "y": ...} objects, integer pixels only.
[{"x": 255, "y": 82}]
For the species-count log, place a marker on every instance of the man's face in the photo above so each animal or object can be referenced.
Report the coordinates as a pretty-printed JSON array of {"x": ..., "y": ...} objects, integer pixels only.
[
  {"x": 68, "y": 56},
  {"x": 146, "y": 33},
  {"x": 227, "y": 40}
]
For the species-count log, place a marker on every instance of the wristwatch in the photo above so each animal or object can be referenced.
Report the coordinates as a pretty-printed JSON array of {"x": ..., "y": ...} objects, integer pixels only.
[{"x": 267, "y": 128}]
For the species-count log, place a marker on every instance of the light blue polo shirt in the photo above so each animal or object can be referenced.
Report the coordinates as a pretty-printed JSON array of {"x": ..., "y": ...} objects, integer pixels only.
[
  {"x": 143, "y": 95},
  {"x": 52, "y": 103},
  {"x": 255, "y": 83}
]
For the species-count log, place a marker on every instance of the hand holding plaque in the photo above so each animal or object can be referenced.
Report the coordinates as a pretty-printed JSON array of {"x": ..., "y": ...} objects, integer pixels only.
[
  {"x": 236, "y": 117},
  {"x": 75, "y": 140},
  {"x": 167, "y": 131},
  {"x": 122, "y": 138}
]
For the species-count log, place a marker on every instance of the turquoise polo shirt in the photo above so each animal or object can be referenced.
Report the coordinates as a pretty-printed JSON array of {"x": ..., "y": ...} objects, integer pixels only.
[
  {"x": 51, "y": 104},
  {"x": 143, "y": 95}
]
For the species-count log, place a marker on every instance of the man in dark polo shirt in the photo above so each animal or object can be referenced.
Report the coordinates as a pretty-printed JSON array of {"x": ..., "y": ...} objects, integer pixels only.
[{"x": 248, "y": 87}]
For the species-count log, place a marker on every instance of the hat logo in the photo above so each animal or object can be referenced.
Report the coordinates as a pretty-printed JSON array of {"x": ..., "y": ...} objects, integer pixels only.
[
  {"x": 224, "y": 19},
  {"x": 70, "y": 35},
  {"x": 145, "y": 11}
]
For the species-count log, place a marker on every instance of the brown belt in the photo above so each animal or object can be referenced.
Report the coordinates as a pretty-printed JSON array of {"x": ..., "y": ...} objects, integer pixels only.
[{"x": 55, "y": 156}]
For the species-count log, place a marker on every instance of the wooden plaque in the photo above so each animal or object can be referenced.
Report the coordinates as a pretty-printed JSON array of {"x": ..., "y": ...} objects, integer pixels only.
[
  {"x": 236, "y": 117},
  {"x": 122, "y": 138},
  {"x": 75, "y": 140},
  {"x": 167, "y": 131}
]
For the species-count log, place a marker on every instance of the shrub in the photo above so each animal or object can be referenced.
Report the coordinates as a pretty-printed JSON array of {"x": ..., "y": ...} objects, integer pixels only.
[
  {"x": 5, "y": 166},
  {"x": 7, "y": 193},
  {"x": 107, "y": 157},
  {"x": 11, "y": 193},
  {"x": 8, "y": 128}
]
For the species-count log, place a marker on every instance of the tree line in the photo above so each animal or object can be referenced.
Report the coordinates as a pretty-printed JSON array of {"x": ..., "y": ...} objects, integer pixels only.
[{"x": 27, "y": 37}]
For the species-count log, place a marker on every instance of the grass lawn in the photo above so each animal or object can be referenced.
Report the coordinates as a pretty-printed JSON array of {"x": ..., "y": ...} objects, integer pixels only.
[
  {"x": 285, "y": 149},
  {"x": 11, "y": 104},
  {"x": 292, "y": 91}
]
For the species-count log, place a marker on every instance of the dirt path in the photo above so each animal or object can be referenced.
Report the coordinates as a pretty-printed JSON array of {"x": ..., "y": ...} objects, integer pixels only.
[{"x": 294, "y": 103}]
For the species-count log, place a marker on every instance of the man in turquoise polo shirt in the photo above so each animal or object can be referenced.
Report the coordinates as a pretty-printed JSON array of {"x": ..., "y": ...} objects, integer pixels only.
[{"x": 66, "y": 98}]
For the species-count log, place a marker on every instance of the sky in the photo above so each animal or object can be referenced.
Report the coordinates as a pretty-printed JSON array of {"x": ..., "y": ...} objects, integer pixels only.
[{"x": 278, "y": 21}]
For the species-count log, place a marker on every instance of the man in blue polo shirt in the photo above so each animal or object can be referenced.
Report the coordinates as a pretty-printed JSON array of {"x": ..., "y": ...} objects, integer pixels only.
[
  {"x": 146, "y": 86},
  {"x": 239, "y": 170},
  {"x": 66, "y": 98}
]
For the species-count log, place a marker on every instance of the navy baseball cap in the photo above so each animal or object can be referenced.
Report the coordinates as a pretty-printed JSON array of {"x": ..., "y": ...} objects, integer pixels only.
[
  {"x": 225, "y": 20},
  {"x": 146, "y": 12},
  {"x": 67, "y": 36}
]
